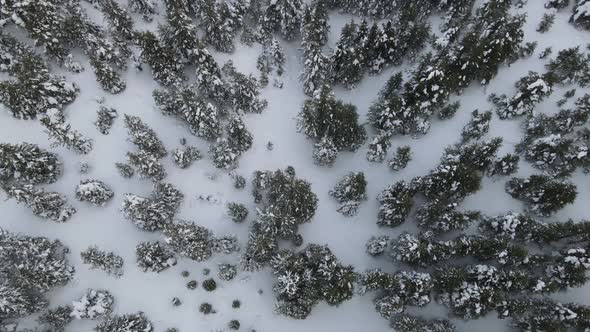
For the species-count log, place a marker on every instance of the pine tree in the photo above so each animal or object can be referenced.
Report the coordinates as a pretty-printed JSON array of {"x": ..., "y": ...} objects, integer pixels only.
[
  {"x": 348, "y": 61},
  {"x": 558, "y": 4},
  {"x": 377, "y": 245},
  {"x": 120, "y": 25},
  {"x": 407, "y": 323},
  {"x": 239, "y": 138},
  {"x": 201, "y": 116},
  {"x": 543, "y": 195},
  {"x": 283, "y": 16},
  {"x": 189, "y": 240},
  {"x": 19, "y": 302},
  {"x": 49, "y": 205},
  {"x": 439, "y": 217},
  {"x": 243, "y": 93},
  {"x": 546, "y": 23},
  {"x": 314, "y": 35},
  {"x": 154, "y": 257},
  {"x": 227, "y": 272},
  {"x": 163, "y": 60},
  {"x": 569, "y": 66},
  {"x": 325, "y": 152},
  {"x": 581, "y": 15},
  {"x": 147, "y": 8},
  {"x": 125, "y": 170},
  {"x": 144, "y": 137},
  {"x": 224, "y": 154},
  {"x": 350, "y": 191},
  {"x": 184, "y": 156},
  {"x": 137, "y": 322},
  {"x": 94, "y": 191},
  {"x": 237, "y": 212},
  {"x": 108, "y": 262},
  {"x": 325, "y": 117},
  {"x": 396, "y": 202},
  {"x": 94, "y": 304},
  {"x": 63, "y": 135},
  {"x": 28, "y": 163},
  {"x": 56, "y": 319},
  {"x": 403, "y": 156},
  {"x": 478, "y": 126},
  {"x": 105, "y": 120},
  {"x": 215, "y": 20},
  {"x": 378, "y": 147},
  {"x": 155, "y": 212},
  {"x": 531, "y": 90}
]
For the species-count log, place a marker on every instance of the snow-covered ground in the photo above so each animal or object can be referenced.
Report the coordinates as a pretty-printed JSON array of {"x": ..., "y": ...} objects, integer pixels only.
[{"x": 152, "y": 293}]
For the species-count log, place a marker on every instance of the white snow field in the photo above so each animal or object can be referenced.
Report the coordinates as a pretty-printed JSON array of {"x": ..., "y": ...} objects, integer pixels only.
[{"x": 152, "y": 293}]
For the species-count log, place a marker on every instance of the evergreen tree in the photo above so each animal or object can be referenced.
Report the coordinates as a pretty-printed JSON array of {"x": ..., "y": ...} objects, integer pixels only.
[
  {"x": 239, "y": 138},
  {"x": 19, "y": 302},
  {"x": 63, "y": 134},
  {"x": 283, "y": 16},
  {"x": 558, "y": 4},
  {"x": 350, "y": 191},
  {"x": 108, "y": 262},
  {"x": 214, "y": 18},
  {"x": 243, "y": 93},
  {"x": 581, "y": 15},
  {"x": 348, "y": 60},
  {"x": 184, "y": 103},
  {"x": 506, "y": 165},
  {"x": 569, "y": 66},
  {"x": 154, "y": 257},
  {"x": 125, "y": 170},
  {"x": 94, "y": 191},
  {"x": 377, "y": 245},
  {"x": 48, "y": 205},
  {"x": 314, "y": 35},
  {"x": 325, "y": 117},
  {"x": 184, "y": 156},
  {"x": 224, "y": 154},
  {"x": 94, "y": 304},
  {"x": 137, "y": 322},
  {"x": 147, "y": 8},
  {"x": 396, "y": 202},
  {"x": 189, "y": 240},
  {"x": 546, "y": 23},
  {"x": 325, "y": 152},
  {"x": 144, "y": 137},
  {"x": 120, "y": 25},
  {"x": 407, "y": 323},
  {"x": 56, "y": 319},
  {"x": 308, "y": 277},
  {"x": 147, "y": 165},
  {"x": 163, "y": 60},
  {"x": 105, "y": 120},
  {"x": 543, "y": 195},
  {"x": 28, "y": 163},
  {"x": 237, "y": 212},
  {"x": 403, "y": 156},
  {"x": 378, "y": 147},
  {"x": 155, "y": 212},
  {"x": 227, "y": 272},
  {"x": 439, "y": 217},
  {"x": 478, "y": 126}
]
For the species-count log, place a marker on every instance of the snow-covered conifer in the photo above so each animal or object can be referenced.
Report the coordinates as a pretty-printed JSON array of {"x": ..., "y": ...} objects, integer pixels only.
[
  {"x": 155, "y": 212},
  {"x": 189, "y": 240},
  {"x": 377, "y": 245},
  {"x": 350, "y": 191},
  {"x": 243, "y": 93},
  {"x": 283, "y": 16},
  {"x": 163, "y": 60},
  {"x": 237, "y": 212},
  {"x": 56, "y": 319},
  {"x": 403, "y": 155},
  {"x": 325, "y": 152},
  {"x": 378, "y": 147},
  {"x": 144, "y": 137},
  {"x": 125, "y": 170},
  {"x": 105, "y": 120},
  {"x": 227, "y": 272},
  {"x": 28, "y": 163},
  {"x": 154, "y": 256},
  {"x": 137, "y": 322},
  {"x": 94, "y": 191},
  {"x": 147, "y": 165},
  {"x": 531, "y": 90},
  {"x": 396, "y": 202},
  {"x": 184, "y": 156},
  {"x": 147, "y": 8},
  {"x": 541, "y": 193},
  {"x": 581, "y": 15},
  {"x": 94, "y": 304},
  {"x": 478, "y": 126},
  {"x": 238, "y": 136},
  {"x": 49, "y": 205},
  {"x": 570, "y": 66},
  {"x": 108, "y": 262},
  {"x": 348, "y": 60}
]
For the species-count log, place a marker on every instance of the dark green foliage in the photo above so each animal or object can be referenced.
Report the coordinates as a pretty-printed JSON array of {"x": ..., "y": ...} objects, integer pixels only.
[
  {"x": 349, "y": 192},
  {"x": 403, "y": 156},
  {"x": 105, "y": 120},
  {"x": 28, "y": 163},
  {"x": 407, "y": 323},
  {"x": 581, "y": 15},
  {"x": 56, "y": 319},
  {"x": 286, "y": 202},
  {"x": 396, "y": 203},
  {"x": 154, "y": 256},
  {"x": 239, "y": 138},
  {"x": 108, "y": 262},
  {"x": 236, "y": 304},
  {"x": 570, "y": 66},
  {"x": 184, "y": 103},
  {"x": 348, "y": 61},
  {"x": 184, "y": 156},
  {"x": 283, "y": 16},
  {"x": 448, "y": 111},
  {"x": 155, "y": 212},
  {"x": 440, "y": 217},
  {"x": 541, "y": 193},
  {"x": 242, "y": 91},
  {"x": 146, "y": 8},
  {"x": 144, "y": 137},
  {"x": 531, "y": 90},
  {"x": 325, "y": 116},
  {"x": 147, "y": 165},
  {"x": 164, "y": 62},
  {"x": 63, "y": 135},
  {"x": 94, "y": 304},
  {"x": 206, "y": 308},
  {"x": 546, "y": 23},
  {"x": 220, "y": 20},
  {"x": 189, "y": 240},
  {"x": 478, "y": 126},
  {"x": 378, "y": 147},
  {"x": 506, "y": 165},
  {"x": 125, "y": 170},
  {"x": 137, "y": 322},
  {"x": 224, "y": 155},
  {"x": 32, "y": 90},
  {"x": 314, "y": 35},
  {"x": 47, "y": 205},
  {"x": 377, "y": 245},
  {"x": 396, "y": 291},
  {"x": 233, "y": 324},
  {"x": 192, "y": 284},
  {"x": 239, "y": 182},
  {"x": 227, "y": 272},
  {"x": 557, "y": 4},
  {"x": 237, "y": 211},
  {"x": 325, "y": 152},
  {"x": 209, "y": 285},
  {"x": 308, "y": 277}
]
